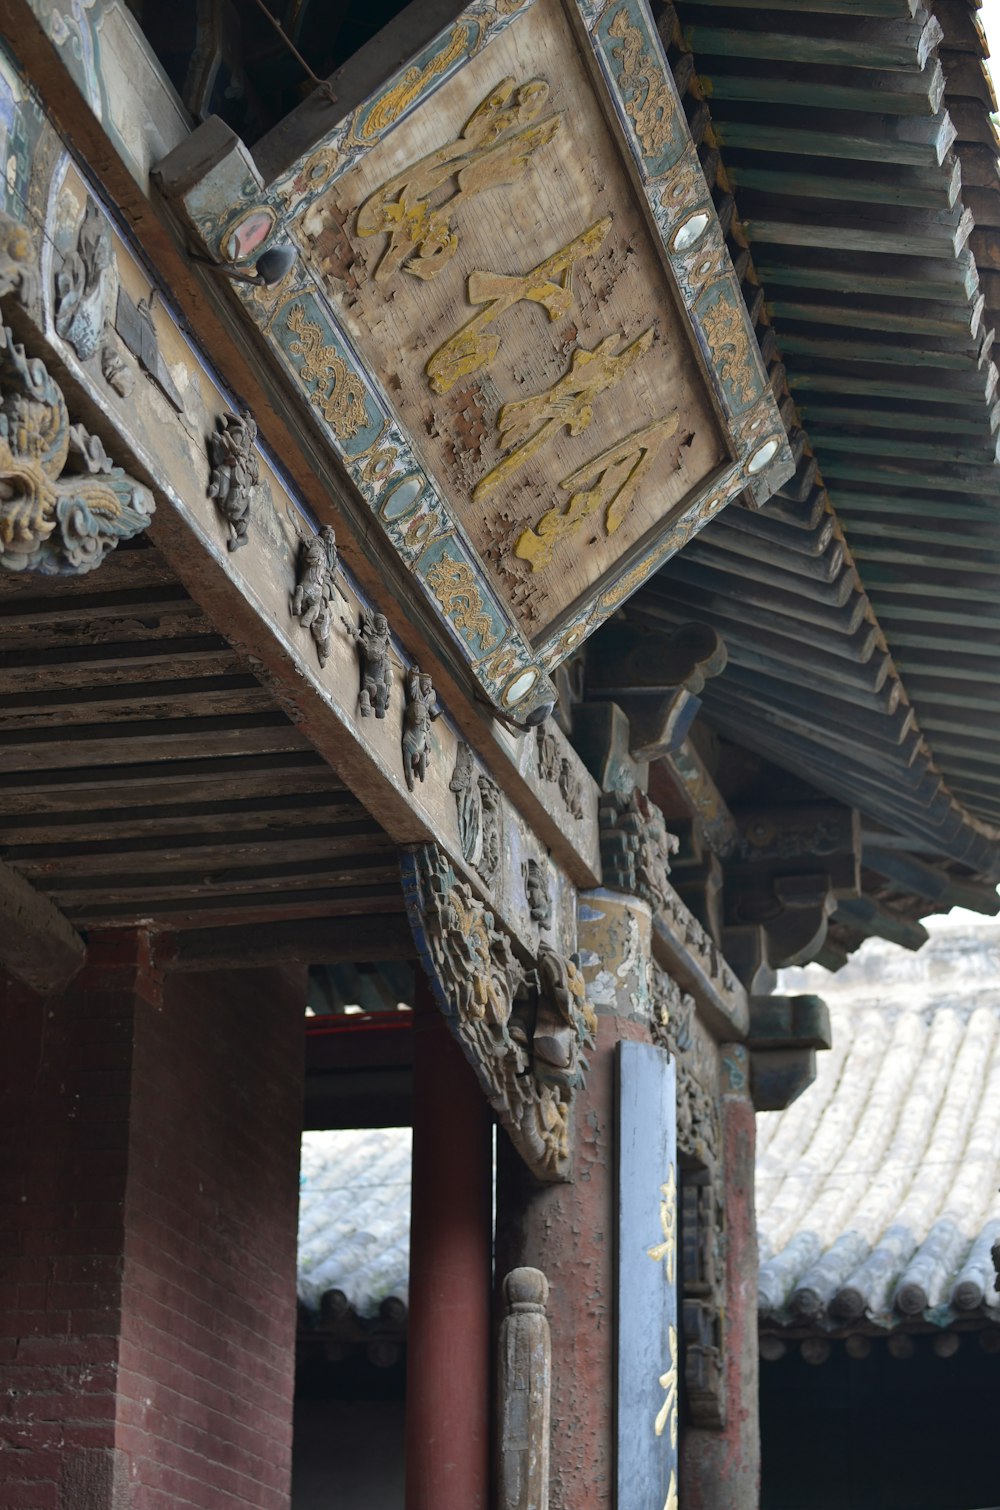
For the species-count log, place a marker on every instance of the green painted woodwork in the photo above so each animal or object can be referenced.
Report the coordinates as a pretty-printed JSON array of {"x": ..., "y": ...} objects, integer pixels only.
[
  {"x": 800, "y": 184},
  {"x": 883, "y": 93},
  {"x": 904, "y": 46},
  {"x": 914, "y": 142},
  {"x": 848, "y": 316}
]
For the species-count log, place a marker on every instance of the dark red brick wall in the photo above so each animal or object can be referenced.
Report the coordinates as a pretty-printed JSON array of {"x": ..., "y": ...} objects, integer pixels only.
[
  {"x": 148, "y": 1194},
  {"x": 208, "y": 1316},
  {"x": 65, "y": 1084}
]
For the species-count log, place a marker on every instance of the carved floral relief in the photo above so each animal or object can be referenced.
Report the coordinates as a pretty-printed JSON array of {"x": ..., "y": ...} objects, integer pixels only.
[
  {"x": 63, "y": 503},
  {"x": 524, "y": 1025}
]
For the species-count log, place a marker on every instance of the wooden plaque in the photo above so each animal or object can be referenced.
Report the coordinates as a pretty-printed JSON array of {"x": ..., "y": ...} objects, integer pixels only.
[
  {"x": 648, "y": 1347},
  {"x": 513, "y": 314}
]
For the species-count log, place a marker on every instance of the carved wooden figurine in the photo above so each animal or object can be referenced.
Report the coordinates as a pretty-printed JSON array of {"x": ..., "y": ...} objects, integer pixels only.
[
  {"x": 420, "y": 712},
  {"x": 372, "y": 640},
  {"x": 492, "y": 811},
  {"x": 235, "y": 473},
  {"x": 524, "y": 1386},
  {"x": 313, "y": 596},
  {"x": 536, "y": 886}
]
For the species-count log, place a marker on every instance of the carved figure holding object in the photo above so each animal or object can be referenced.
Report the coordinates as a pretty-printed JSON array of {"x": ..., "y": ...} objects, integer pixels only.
[
  {"x": 420, "y": 712},
  {"x": 235, "y": 472},
  {"x": 372, "y": 640},
  {"x": 313, "y": 595}
]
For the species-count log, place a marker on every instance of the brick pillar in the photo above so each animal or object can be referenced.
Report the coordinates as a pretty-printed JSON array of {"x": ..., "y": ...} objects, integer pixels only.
[
  {"x": 147, "y": 1237},
  {"x": 720, "y": 1470},
  {"x": 568, "y": 1230}
]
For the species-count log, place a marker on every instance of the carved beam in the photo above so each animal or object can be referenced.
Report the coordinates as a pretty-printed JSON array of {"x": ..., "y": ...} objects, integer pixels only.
[
  {"x": 38, "y": 946},
  {"x": 524, "y": 1389},
  {"x": 524, "y": 1024},
  {"x": 327, "y": 941}
]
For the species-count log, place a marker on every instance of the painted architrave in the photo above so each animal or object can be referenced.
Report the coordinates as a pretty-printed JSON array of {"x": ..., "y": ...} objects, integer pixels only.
[
  {"x": 432, "y": 447},
  {"x": 648, "y": 1348}
]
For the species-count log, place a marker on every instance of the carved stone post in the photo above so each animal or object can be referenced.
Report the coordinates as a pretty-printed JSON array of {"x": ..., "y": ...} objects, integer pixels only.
[
  {"x": 568, "y": 1230},
  {"x": 524, "y": 1384}
]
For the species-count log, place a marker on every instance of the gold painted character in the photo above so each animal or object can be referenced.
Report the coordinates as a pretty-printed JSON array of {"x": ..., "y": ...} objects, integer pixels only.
[
  {"x": 614, "y": 477},
  {"x": 495, "y": 147},
  {"x": 667, "y": 1414},
  {"x": 668, "y": 1221},
  {"x": 550, "y": 284},
  {"x": 528, "y": 423}
]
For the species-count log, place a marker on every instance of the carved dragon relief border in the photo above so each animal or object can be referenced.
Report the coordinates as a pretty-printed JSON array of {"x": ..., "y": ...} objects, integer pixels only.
[
  {"x": 523, "y": 1026},
  {"x": 237, "y": 219}
]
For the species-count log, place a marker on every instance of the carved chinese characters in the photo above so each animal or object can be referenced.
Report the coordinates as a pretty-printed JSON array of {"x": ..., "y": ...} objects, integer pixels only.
[
  {"x": 494, "y": 148},
  {"x": 503, "y": 284}
]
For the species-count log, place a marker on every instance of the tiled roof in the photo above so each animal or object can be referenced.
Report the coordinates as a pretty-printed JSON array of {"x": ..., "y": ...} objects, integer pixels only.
[
  {"x": 354, "y": 1218},
  {"x": 877, "y": 1190}
]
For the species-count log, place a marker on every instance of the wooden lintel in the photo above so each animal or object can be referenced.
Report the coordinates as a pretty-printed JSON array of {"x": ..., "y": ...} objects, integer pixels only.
[
  {"x": 38, "y": 946},
  {"x": 326, "y": 941}
]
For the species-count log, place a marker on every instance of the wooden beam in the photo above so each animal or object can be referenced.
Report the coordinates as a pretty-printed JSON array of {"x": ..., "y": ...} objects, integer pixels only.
[
  {"x": 322, "y": 941},
  {"x": 904, "y": 46},
  {"x": 38, "y": 945}
]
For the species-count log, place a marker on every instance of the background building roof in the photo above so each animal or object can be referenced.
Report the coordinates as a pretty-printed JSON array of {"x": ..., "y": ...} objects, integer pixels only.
[{"x": 877, "y": 1191}]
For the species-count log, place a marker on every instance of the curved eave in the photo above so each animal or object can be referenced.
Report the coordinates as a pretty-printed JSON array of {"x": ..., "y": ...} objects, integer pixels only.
[{"x": 860, "y": 605}]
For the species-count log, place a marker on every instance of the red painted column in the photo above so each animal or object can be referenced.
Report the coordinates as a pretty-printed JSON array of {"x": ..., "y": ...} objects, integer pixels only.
[{"x": 448, "y": 1348}]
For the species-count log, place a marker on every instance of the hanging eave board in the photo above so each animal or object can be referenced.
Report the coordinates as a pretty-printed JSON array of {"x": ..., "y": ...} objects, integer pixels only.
[{"x": 513, "y": 315}]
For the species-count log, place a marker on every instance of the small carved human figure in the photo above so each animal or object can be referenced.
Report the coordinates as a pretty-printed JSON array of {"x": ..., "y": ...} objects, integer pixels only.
[
  {"x": 420, "y": 712},
  {"x": 569, "y": 786},
  {"x": 536, "y": 887},
  {"x": 235, "y": 473},
  {"x": 468, "y": 802},
  {"x": 372, "y": 640},
  {"x": 492, "y": 813},
  {"x": 313, "y": 595}
]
